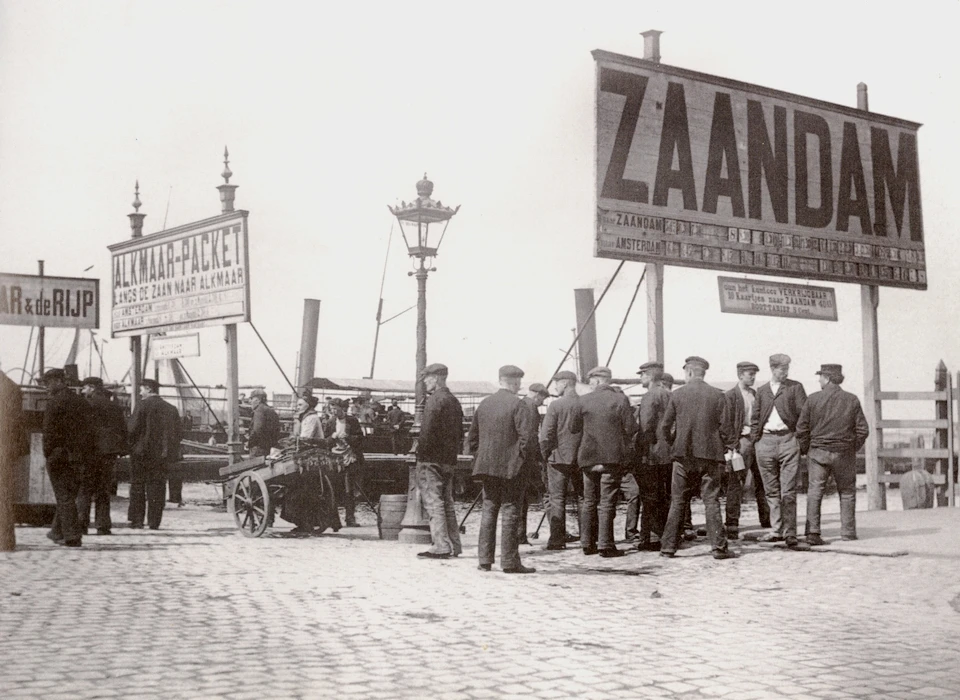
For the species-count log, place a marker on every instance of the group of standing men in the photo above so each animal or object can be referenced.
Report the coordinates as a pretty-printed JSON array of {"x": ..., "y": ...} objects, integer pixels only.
[
  {"x": 675, "y": 444},
  {"x": 82, "y": 438}
]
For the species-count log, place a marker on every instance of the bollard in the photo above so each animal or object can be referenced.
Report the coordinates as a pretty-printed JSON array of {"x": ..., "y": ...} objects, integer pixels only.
[{"x": 12, "y": 447}]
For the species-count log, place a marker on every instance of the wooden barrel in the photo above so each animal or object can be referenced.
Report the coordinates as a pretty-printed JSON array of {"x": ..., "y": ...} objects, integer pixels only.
[{"x": 392, "y": 509}]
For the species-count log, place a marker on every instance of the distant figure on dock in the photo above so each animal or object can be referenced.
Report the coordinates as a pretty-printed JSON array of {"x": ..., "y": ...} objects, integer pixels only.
[
  {"x": 395, "y": 419},
  {"x": 265, "y": 427},
  {"x": 155, "y": 434},
  {"x": 110, "y": 430}
]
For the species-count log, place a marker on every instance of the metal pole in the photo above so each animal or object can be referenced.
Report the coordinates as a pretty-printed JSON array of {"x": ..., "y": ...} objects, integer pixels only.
[
  {"x": 376, "y": 338},
  {"x": 285, "y": 378},
  {"x": 869, "y": 301},
  {"x": 626, "y": 316},
  {"x": 421, "y": 337},
  {"x": 41, "y": 335},
  {"x": 136, "y": 347},
  {"x": 234, "y": 446}
]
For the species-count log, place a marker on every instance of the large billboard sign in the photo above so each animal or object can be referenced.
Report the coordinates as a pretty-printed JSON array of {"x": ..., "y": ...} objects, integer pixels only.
[
  {"x": 701, "y": 171},
  {"x": 187, "y": 277},
  {"x": 54, "y": 302}
]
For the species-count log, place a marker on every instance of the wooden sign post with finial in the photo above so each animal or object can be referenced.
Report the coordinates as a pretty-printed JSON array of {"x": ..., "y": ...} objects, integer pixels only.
[
  {"x": 234, "y": 445},
  {"x": 136, "y": 349}
]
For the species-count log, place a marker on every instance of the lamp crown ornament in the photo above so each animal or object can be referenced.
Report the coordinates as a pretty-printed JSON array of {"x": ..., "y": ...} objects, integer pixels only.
[
  {"x": 424, "y": 187},
  {"x": 227, "y": 173}
]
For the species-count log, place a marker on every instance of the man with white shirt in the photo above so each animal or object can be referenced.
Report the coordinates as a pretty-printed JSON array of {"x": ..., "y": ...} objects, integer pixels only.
[{"x": 773, "y": 424}]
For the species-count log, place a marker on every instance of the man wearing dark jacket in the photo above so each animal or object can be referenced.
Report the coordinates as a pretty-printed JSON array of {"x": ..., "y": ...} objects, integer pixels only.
[
  {"x": 558, "y": 446},
  {"x": 110, "y": 430},
  {"x": 441, "y": 432},
  {"x": 773, "y": 426},
  {"x": 68, "y": 446},
  {"x": 696, "y": 423},
  {"x": 265, "y": 427},
  {"x": 536, "y": 394},
  {"x": 654, "y": 458},
  {"x": 155, "y": 433},
  {"x": 830, "y": 430},
  {"x": 609, "y": 428},
  {"x": 502, "y": 439},
  {"x": 740, "y": 400}
]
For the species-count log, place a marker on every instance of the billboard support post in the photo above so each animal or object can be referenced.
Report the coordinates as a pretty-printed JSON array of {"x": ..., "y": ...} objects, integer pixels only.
[
  {"x": 136, "y": 347},
  {"x": 234, "y": 445},
  {"x": 869, "y": 301},
  {"x": 41, "y": 335},
  {"x": 654, "y": 271}
]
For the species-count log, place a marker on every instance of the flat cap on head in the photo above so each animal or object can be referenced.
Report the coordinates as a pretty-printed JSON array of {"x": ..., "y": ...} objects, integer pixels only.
[
  {"x": 436, "y": 368},
  {"x": 667, "y": 378},
  {"x": 696, "y": 361},
  {"x": 151, "y": 384},
  {"x": 538, "y": 388},
  {"x": 600, "y": 372},
  {"x": 747, "y": 367},
  {"x": 53, "y": 373},
  {"x": 259, "y": 391},
  {"x": 564, "y": 374},
  {"x": 511, "y": 372},
  {"x": 830, "y": 370},
  {"x": 779, "y": 360},
  {"x": 650, "y": 365},
  {"x": 95, "y": 382}
]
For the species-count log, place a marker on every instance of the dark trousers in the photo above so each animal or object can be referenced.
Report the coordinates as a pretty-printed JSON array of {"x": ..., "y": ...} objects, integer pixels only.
[
  {"x": 500, "y": 495},
  {"x": 734, "y": 483},
  {"x": 66, "y": 479},
  {"x": 843, "y": 465},
  {"x": 600, "y": 489},
  {"x": 96, "y": 487},
  {"x": 175, "y": 486},
  {"x": 654, "y": 484},
  {"x": 396, "y": 437},
  {"x": 347, "y": 499},
  {"x": 685, "y": 475},
  {"x": 558, "y": 477},
  {"x": 148, "y": 489},
  {"x": 630, "y": 485}
]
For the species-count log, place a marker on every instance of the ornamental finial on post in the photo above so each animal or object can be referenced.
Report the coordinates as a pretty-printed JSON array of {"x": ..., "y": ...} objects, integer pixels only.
[
  {"x": 227, "y": 191},
  {"x": 136, "y": 218}
]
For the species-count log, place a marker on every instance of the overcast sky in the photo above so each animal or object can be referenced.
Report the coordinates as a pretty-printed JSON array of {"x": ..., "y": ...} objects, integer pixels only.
[{"x": 332, "y": 111}]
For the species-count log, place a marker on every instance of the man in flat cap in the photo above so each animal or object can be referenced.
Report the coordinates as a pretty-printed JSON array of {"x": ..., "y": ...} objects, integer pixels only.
[
  {"x": 344, "y": 431},
  {"x": 609, "y": 428},
  {"x": 696, "y": 423},
  {"x": 773, "y": 425},
  {"x": 536, "y": 394},
  {"x": 441, "y": 433},
  {"x": 830, "y": 430},
  {"x": 654, "y": 457},
  {"x": 559, "y": 443},
  {"x": 69, "y": 448},
  {"x": 155, "y": 433},
  {"x": 265, "y": 431},
  {"x": 110, "y": 442},
  {"x": 740, "y": 400},
  {"x": 501, "y": 438}
]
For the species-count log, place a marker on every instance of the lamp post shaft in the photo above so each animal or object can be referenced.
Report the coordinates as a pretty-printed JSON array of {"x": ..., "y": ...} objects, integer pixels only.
[{"x": 421, "y": 336}]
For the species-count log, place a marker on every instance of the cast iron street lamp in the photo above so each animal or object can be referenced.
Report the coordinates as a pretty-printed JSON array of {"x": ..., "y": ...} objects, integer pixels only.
[{"x": 415, "y": 219}]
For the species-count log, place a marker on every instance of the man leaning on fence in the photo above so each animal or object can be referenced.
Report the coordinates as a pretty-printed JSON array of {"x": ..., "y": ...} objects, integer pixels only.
[
  {"x": 830, "y": 430},
  {"x": 441, "y": 432}
]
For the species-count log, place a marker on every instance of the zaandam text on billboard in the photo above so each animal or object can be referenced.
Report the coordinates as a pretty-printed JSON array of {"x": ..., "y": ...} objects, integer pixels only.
[
  {"x": 702, "y": 171},
  {"x": 188, "y": 277}
]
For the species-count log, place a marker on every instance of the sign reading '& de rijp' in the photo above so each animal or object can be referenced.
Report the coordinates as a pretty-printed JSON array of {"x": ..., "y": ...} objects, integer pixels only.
[
  {"x": 55, "y": 302},
  {"x": 761, "y": 298},
  {"x": 187, "y": 277},
  {"x": 702, "y": 171}
]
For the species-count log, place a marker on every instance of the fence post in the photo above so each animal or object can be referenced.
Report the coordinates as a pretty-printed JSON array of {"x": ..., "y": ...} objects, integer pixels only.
[{"x": 941, "y": 436}]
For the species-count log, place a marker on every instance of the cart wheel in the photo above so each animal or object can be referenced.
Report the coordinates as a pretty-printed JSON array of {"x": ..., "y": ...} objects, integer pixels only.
[{"x": 250, "y": 504}]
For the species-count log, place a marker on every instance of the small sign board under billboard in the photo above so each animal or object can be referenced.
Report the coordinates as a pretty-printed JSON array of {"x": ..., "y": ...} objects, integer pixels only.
[
  {"x": 172, "y": 347},
  {"x": 701, "y": 171},
  {"x": 53, "y": 302},
  {"x": 188, "y": 277},
  {"x": 763, "y": 298}
]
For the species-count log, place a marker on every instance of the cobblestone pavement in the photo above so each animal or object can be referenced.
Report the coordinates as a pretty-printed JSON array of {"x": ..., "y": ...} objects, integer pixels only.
[{"x": 198, "y": 611}]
